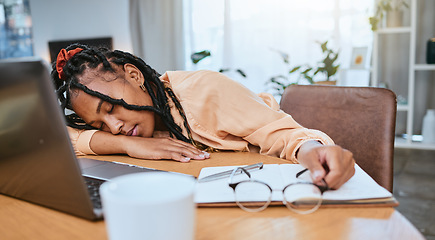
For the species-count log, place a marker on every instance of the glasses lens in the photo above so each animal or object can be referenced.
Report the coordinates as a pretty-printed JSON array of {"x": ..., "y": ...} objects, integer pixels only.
[
  {"x": 252, "y": 196},
  {"x": 303, "y": 198}
]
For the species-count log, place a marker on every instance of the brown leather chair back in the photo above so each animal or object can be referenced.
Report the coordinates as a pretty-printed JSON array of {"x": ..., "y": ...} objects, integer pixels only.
[{"x": 360, "y": 119}]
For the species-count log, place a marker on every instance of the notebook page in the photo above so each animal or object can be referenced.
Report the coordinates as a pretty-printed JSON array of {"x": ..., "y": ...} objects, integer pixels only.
[
  {"x": 360, "y": 186},
  {"x": 219, "y": 191}
]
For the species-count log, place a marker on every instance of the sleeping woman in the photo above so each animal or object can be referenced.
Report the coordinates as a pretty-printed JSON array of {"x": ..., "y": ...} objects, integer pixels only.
[{"x": 121, "y": 105}]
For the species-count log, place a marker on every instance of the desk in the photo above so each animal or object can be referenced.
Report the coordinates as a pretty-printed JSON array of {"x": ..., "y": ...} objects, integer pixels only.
[{"x": 22, "y": 220}]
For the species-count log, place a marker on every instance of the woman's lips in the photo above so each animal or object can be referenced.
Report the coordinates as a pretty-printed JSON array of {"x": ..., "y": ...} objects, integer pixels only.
[{"x": 133, "y": 132}]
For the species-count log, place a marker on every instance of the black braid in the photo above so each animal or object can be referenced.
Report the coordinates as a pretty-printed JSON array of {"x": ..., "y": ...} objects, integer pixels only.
[{"x": 91, "y": 57}]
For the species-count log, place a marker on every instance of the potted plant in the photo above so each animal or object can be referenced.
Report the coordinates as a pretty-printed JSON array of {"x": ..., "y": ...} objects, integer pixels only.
[
  {"x": 391, "y": 9},
  {"x": 196, "y": 57},
  {"x": 280, "y": 82},
  {"x": 327, "y": 67}
]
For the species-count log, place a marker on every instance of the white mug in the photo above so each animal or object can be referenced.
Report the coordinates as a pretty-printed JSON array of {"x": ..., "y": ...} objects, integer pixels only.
[{"x": 149, "y": 206}]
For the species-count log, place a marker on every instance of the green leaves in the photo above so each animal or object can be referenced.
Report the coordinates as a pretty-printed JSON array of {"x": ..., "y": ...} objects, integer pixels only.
[
  {"x": 324, "y": 47},
  {"x": 374, "y": 22},
  {"x": 198, "y": 56},
  {"x": 241, "y": 72},
  {"x": 294, "y": 69},
  {"x": 278, "y": 85},
  {"x": 327, "y": 66},
  {"x": 281, "y": 82},
  {"x": 285, "y": 56},
  {"x": 306, "y": 75},
  {"x": 238, "y": 70}
]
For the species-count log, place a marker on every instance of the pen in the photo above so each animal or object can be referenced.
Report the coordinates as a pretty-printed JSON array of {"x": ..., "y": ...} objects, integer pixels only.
[{"x": 227, "y": 173}]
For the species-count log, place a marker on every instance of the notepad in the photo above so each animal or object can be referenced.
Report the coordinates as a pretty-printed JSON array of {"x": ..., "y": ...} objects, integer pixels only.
[{"x": 361, "y": 189}]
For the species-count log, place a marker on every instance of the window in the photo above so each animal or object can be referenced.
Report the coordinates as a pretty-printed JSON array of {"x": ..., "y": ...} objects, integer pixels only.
[
  {"x": 248, "y": 34},
  {"x": 15, "y": 29}
]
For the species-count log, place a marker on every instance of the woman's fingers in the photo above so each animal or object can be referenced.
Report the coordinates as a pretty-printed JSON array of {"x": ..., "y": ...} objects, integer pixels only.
[
  {"x": 189, "y": 150},
  {"x": 163, "y": 148},
  {"x": 341, "y": 166},
  {"x": 185, "y": 154},
  {"x": 332, "y": 163}
]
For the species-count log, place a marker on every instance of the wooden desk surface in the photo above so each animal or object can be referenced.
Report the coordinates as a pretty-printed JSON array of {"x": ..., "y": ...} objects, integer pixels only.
[{"x": 22, "y": 220}]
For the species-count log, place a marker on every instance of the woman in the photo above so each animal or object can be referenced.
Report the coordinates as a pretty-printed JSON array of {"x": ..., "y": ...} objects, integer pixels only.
[{"x": 121, "y": 105}]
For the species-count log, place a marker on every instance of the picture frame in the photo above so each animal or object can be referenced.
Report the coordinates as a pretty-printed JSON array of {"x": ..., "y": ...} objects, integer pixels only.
[{"x": 359, "y": 57}]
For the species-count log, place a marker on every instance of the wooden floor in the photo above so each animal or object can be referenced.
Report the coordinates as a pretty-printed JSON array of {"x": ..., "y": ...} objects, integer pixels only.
[{"x": 414, "y": 188}]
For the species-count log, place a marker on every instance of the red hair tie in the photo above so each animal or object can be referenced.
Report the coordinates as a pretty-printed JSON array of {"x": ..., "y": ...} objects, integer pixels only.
[{"x": 63, "y": 57}]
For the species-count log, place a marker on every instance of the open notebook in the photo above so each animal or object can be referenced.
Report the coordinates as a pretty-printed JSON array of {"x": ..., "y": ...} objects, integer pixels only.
[{"x": 361, "y": 189}]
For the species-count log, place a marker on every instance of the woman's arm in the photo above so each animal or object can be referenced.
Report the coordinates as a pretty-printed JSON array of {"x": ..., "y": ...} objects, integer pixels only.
[
  {"x": 99, "y": 142},
  {"x": 233, "y": 110},
  {"x": 145, "y": 148}
]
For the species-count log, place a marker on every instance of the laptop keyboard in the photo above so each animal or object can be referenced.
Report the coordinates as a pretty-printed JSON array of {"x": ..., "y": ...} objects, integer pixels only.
[{"x": 93, "y": 185}]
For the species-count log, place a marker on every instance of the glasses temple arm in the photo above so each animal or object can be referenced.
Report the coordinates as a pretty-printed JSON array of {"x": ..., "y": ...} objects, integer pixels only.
[{"x": 301, "y": 172}]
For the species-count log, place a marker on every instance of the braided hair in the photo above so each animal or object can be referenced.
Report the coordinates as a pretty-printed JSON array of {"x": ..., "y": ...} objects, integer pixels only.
[{"x": 90, "y": 57}]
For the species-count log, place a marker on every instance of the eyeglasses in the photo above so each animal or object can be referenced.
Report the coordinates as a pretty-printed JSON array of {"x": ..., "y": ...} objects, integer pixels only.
[{"x": 253, "y": 196}]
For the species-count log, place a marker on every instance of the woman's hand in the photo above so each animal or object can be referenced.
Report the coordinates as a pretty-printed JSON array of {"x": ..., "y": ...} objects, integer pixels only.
[
  {"x": 162, "y": 148},
  {"x": 332, "y": 163},
  {"x": 145, "y": 148}
]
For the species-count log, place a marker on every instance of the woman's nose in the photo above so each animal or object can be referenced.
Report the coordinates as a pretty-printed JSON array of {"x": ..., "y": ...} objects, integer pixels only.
[{"x": 115, "y": 125}]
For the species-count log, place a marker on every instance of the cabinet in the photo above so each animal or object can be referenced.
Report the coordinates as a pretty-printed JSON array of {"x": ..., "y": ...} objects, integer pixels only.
[{"x": 408, "y": 139}]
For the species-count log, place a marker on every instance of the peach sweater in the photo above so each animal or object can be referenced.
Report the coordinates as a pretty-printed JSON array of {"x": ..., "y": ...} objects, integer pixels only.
[{"x": 225, "y": 115}]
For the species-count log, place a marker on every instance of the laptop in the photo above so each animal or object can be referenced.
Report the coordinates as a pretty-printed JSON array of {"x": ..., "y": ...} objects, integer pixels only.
[{"x": 37, "y": 161}]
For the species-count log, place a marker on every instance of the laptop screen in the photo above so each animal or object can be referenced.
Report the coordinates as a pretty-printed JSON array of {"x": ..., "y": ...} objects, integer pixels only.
[{"x": 37, "y": 162}]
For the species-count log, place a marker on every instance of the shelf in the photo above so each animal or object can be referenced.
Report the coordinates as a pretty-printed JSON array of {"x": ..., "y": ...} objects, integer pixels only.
[
  {"x": 402, "y": 107},
  {"x": 394, "y": 30},
  {"x": 406, "y": 106},
  {"x": 402, "y": 143},
  {"x": 424, "y": 67}
]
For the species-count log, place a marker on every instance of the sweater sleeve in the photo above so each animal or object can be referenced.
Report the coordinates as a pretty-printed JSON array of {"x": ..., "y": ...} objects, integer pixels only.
[
  {"x": 302, "y": 134},
  {"x": 233, "y": 110},
  {"x": 80, "y": 140}
]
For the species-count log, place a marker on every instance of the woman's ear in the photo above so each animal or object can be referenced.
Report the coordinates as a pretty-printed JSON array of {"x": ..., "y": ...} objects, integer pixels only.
[{"x": 133, "y": 74}]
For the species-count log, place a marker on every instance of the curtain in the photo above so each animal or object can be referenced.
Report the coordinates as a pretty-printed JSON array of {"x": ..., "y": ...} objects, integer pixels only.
[
  {"x": 250, "y": 34},
  {"x": 157, "y": 33}
]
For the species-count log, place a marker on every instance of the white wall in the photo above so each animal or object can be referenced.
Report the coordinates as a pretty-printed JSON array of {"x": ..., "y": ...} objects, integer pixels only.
[{"x": 64, "y": 19}]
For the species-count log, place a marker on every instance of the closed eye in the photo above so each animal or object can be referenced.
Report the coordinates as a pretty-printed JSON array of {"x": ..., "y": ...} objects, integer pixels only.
[
  {"x": 112, "y": 106},
  {"x": 111, "y": 109}
]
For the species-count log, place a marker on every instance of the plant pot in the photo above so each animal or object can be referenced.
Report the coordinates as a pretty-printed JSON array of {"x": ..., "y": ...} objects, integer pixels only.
[
  {"x": 394, "y": 18},
  {"x": 325, "y": 82}
]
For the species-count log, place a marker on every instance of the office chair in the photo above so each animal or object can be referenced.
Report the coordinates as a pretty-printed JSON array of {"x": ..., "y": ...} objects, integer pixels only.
[{"x": 360, "y": 119}]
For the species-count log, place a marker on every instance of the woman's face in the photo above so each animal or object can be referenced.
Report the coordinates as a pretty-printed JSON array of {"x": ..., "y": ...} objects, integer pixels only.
[{"x": 124, "y": 84}]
